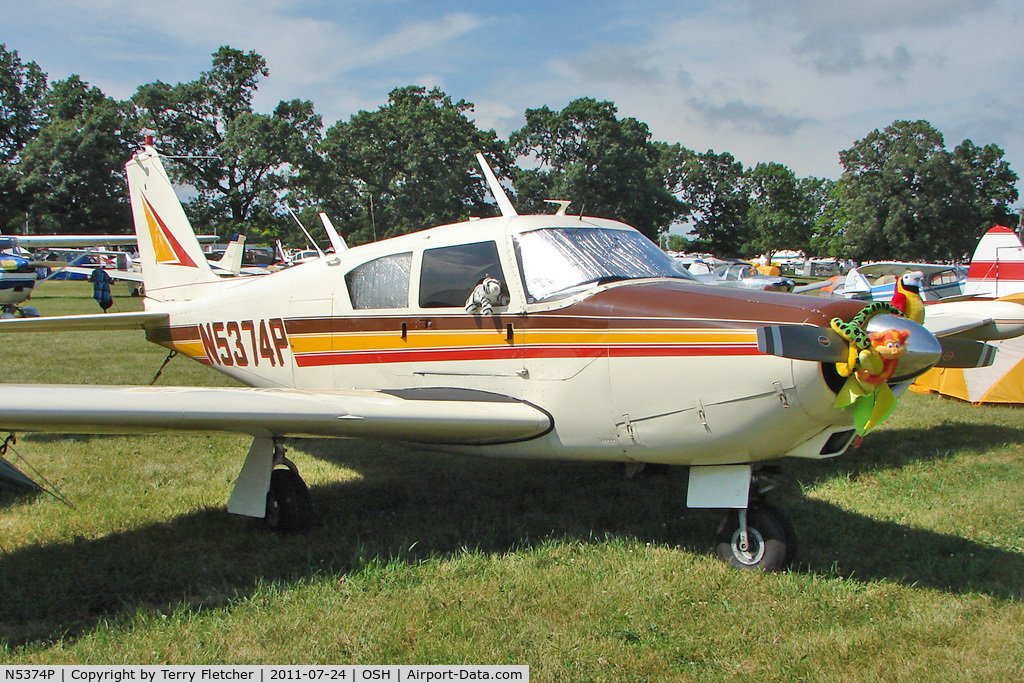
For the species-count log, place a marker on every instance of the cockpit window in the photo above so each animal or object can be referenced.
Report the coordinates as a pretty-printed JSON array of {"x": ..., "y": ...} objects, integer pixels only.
[
  {"x": 381, "y": 283},
  {"x": 450, "y": 274},
  {"x": 559, "y": 261}
]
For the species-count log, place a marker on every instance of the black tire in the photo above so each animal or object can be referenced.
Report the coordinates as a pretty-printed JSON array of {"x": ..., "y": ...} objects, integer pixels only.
[
  {"x": 289, "y": 507},
  {"x": 772, "y": 544}
]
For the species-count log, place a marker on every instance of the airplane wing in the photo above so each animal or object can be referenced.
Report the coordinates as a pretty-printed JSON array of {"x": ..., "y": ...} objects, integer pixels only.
[
  {"x": 978, "y": 320},
  {"x": 429, "y": 416},
  {"x": 84, "y": 323}
]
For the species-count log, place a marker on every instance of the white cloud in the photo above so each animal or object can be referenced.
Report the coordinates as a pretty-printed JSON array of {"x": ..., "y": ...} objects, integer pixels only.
[{"x": 798, "y": 81}]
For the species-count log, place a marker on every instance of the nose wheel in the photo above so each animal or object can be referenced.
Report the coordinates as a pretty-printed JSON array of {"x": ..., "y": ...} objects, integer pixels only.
[{"x": 759, "y": 537}]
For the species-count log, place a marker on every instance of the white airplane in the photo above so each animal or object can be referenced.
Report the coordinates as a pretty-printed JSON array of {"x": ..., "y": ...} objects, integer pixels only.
[{"x": 542, "y": 336}]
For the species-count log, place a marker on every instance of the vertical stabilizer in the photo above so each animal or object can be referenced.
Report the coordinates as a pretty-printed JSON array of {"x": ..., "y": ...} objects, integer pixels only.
[
  {"x": 171, "y": 258},
  {"x": 997, "y": 268},
  {"x": 231, "y": 262}
]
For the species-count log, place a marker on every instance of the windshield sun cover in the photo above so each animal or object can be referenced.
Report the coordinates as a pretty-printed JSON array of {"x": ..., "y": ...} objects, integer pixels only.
[{"x": 556, "y": 262}]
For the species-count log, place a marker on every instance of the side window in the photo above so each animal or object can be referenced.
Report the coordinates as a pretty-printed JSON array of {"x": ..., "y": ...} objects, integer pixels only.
[
  {"x": 381, "y": 283},
  {"x": 449, "y": 274}
]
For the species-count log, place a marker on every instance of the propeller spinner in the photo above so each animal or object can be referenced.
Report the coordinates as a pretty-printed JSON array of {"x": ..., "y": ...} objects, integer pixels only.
[{"x": 924, "y": 350}]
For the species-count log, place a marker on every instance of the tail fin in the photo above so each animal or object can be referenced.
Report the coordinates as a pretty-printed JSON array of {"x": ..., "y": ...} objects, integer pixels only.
[
  {"x": 172, "y": 260},
  {"x": 231, "y": 262},
  {"x": 997, "y": 268}
]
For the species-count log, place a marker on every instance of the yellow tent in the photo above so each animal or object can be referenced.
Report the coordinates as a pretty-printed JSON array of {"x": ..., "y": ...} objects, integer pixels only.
[{"x": 1001, "y": 382}]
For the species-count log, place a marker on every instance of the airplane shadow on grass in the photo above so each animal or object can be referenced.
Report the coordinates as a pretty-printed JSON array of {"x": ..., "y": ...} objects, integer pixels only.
[{"x": 408, "y": 506}]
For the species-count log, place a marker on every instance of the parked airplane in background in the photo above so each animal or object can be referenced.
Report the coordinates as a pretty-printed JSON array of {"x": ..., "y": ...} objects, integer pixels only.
[
  {"x": 877, "y": 281},
  {"x": 997, "y": 268},
  {"x": 542, "y": 336},
  {"x": 17, "y": 280},
  {"x": 18, "y": 269},
  {"x": 742, "y": 275},
  {"x": 125, "y": 269}
]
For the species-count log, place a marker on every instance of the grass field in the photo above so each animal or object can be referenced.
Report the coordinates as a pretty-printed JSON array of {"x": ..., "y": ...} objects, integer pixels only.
[{"x": 911, "y": 562}]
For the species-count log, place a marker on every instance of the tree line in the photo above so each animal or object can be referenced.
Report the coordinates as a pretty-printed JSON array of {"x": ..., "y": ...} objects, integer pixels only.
[{"x": 409, "y": 165}]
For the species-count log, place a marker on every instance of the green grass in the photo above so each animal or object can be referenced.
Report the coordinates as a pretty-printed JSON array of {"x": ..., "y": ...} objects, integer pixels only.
[{"x": 911, "y": 566}]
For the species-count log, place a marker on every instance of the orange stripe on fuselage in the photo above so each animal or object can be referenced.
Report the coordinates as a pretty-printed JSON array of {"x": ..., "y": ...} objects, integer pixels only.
[{"x": 427, "y": 346}]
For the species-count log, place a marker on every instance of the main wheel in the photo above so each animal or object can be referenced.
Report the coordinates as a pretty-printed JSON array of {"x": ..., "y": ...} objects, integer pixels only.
[
  {"x": 289, "y": 507},
  {"x": 771, "y": 544}
]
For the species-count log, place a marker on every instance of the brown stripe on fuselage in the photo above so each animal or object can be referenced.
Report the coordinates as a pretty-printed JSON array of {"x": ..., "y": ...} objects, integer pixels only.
[
  {"x": 627, "y": 306},
  {"x": 684, "y": 304},
  {"x": 166, "y": 335}
]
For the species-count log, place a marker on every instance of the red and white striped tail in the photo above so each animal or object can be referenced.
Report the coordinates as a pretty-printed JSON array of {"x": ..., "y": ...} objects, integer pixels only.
[{"x": 997, "y": 268}]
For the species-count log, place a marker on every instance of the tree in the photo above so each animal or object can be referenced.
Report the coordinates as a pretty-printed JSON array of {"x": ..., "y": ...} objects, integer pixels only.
[
  {"x": 608, "y": 166},
  {"x": 71, "y": 172},
  {"x": 904, "y": 196},
  {"x": 828, "y": 233},
  {"x": 240, "y": 162},
  {"x": 781, "y": 211},
  {"x": 990, "y": 189},
  {"x": 22, "y": 88},
  {"x": 408, "y": 165},
  {"x": 712, "y": 184}
]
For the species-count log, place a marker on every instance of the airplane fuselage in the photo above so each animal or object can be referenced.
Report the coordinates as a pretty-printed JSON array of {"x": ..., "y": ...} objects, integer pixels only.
[
  {"x": 17, "y": 279},
  {"x": 656, "y": 369}
]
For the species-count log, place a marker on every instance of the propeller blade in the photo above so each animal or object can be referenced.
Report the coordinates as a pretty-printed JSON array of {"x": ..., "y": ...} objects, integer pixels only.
[
  {"x": 965, "y": 353},
  {"x": 802, "y": 342}
]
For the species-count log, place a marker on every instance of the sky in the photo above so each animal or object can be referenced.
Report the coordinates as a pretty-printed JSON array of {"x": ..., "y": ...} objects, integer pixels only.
[{"x": 789, "y": 81}]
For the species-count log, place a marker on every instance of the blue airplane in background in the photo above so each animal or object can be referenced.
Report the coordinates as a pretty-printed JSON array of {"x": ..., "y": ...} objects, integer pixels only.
[{"x": 17, "y": 279}]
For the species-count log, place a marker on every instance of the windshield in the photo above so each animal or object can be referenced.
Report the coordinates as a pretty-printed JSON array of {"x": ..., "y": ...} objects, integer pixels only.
[{"x": 557, "y": 261}]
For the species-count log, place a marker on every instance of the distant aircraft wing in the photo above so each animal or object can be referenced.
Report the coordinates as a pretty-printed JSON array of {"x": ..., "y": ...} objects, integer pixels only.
[
  {"x": 429, "y": 416},
  {"x": 41, "y": 241},
  {"x": 84, "y": 323},
  {"x": 129, "y": 275}
]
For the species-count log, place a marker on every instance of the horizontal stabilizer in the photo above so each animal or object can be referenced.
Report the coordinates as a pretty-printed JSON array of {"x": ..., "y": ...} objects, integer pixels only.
[
  {"x": 466, "y": 418},
  {"x": 84, "y": 323}
]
